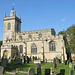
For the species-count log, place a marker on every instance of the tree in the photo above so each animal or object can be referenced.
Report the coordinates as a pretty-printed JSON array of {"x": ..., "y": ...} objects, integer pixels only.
[
  {"x": 69, "y": 38},
  {"x": 0, "y": 43},
  {"x": 70, "y": 34}
]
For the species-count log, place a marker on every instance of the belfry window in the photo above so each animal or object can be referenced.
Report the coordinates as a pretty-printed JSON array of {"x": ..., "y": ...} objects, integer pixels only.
[
  {"x": 21, "y": 48},
  {"x": 52, "y": 46},
  {"x": 9, "y": 26},
  {"x": 33, "y": 48},
  {"x": 17, "y": 27}
]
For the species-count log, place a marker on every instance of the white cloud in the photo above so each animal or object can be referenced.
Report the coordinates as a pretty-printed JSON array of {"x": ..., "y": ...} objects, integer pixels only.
[{"x": 63, "y": 19}]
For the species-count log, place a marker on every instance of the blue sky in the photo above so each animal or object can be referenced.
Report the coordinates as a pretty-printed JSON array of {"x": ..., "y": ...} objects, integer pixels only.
[{"x": 40, "y": 14}]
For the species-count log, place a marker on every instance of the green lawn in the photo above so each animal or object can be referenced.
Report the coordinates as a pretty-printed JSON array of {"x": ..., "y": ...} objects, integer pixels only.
[{"x": 25, "y": 67}]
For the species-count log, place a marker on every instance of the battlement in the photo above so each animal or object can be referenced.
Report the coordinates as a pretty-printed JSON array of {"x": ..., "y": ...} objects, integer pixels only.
[{"x": 38, "y": 31}]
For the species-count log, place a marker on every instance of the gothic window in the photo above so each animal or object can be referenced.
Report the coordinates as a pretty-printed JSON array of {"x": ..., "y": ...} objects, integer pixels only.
[
  {"x": 40, "y": 35},
  {"x": 17, "y": 27},
  {"x": 21, "y": 48},
  {"x": 7, "y": 37},
  {"x": 52, "y": 46},
  {"x": 33, "y": 48},
  {"x": 20, "y": 37},
  {"x": 9, "y": 26},
  {"x": 29, "y": 36}
]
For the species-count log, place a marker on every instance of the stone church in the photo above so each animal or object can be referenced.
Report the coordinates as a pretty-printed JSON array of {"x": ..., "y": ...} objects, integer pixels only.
[{"x": 43, "y": 44}]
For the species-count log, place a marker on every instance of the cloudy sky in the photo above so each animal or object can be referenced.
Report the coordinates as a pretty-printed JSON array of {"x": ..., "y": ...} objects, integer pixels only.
[{"x": 40, "y": 14}]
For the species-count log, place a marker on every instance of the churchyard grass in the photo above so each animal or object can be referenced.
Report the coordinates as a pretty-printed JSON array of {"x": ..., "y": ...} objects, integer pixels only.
[{"x": 26, "y": 66}]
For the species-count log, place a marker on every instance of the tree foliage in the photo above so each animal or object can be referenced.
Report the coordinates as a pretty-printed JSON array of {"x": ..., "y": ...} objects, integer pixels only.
[
  {"x": 69, "y": 38},
  {"x": 0, "y": 43},
  {"x": 70, "y": 33}
]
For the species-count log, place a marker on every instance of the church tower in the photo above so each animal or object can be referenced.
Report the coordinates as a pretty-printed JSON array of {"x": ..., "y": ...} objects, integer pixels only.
[{"x": 12, "y": 25}]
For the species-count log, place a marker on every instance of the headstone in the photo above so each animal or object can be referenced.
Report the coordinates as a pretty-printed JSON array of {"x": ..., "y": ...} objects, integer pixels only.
[
  {"x": 52, "y": 70},
  {"x": 55, "y": 65},
  {"x": 65, "y": 62},
  {"x": 46, "y": 60},
  {"x": 47, "y": 71},
  {"x": 70, "y": 65},
  {"x": 1, "y": 70},
  {"x": 54, "y": 62},
  {"x": 31, "y": 71},
  {"x": 38, "y": 70},
  {"x": 12, "y": 60},
  {"x": 24, "y": 60},
  {"x": 4, "y": 62},
  {"x": 57, "y": 62},
  {"x": 71, "y": 72},
  {"x": 18, "y": 61},
  {"x": 33, "y": 58},
  {"x": 62, "y": 71},
  {"x": 30, "y": 59},
  {"x": 57, "y": 74},
  {"x": 37, "y": 65},
  {"x": 74, "y": 67},
  {"x": 27, "y": 59}
]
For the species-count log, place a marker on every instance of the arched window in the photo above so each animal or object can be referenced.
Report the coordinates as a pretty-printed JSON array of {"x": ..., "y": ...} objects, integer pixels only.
[
  {"x": 40, "y": 35},
  {"x": 20, "y": 37},
  {"x": 9, "y": 26},
  {"x": 17, "y": 27},
  {"x": 21, "y": 48},
  {"x": 30, "y": 36},
  {"x": 33, "y": 48},
  {"x": 52, "y": 46}
]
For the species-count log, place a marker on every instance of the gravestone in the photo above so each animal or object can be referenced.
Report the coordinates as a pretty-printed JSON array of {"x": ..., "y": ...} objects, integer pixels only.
[
  {"x": 30, "y": 59},
  {"x": 31, "y": 71},
  {"x": 54, "y": 62},
  {"x": 47, "y": 71},
  {"x": 27, "y": 59},
  {"x": 4, "y": 62},
  {"x": 12, "y": 61},
  {"x": 1, "y": 70},
  {"x": 55, "y": 65},
  {"x": 37, "y": 65},
  {"x": 65, "y": 62},
  {"x": 57, "y": 62},
  {"x": 24, "y": 60},
  {"x": 74, "y": 67},
  {"x": 18, "y": 61},
  {"x": 38, "y": 70},
  {"x": 70, "y": 65},
  {"x": 52, "y": 70},
  {"x": 62, "y": 71},
  {"x": 46, "y": 60},
  {"x": 57, "y": 74},
  {"x": 35, "y": 58},
  {"x": 71, "y": 72}
]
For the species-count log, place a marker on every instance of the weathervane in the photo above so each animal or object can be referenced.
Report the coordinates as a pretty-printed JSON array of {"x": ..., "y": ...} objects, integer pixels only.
[{"x": 13, "y": 7}]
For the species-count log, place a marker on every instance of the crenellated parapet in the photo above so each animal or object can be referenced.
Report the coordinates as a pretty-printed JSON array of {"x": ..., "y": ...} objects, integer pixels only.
[
  {"x": 37, "y": 31},
  {"x": 35, "y": 35}
]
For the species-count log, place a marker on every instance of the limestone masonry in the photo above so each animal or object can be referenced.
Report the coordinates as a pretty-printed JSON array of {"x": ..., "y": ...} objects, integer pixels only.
[{"x": 43, "y": 44}]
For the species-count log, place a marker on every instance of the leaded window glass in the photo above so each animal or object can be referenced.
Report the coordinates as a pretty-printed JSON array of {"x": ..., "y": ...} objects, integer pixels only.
[
  {"x": 52, "y": 46},
  {"x": 20, "y": 37},
  {"x": 9, "y": 26},
  {"x": 40, "y": 35},
  {"x": 29, "y": 36},
  {"x": 33, "y": 48},
  {"x": 21, "y": 49}
]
